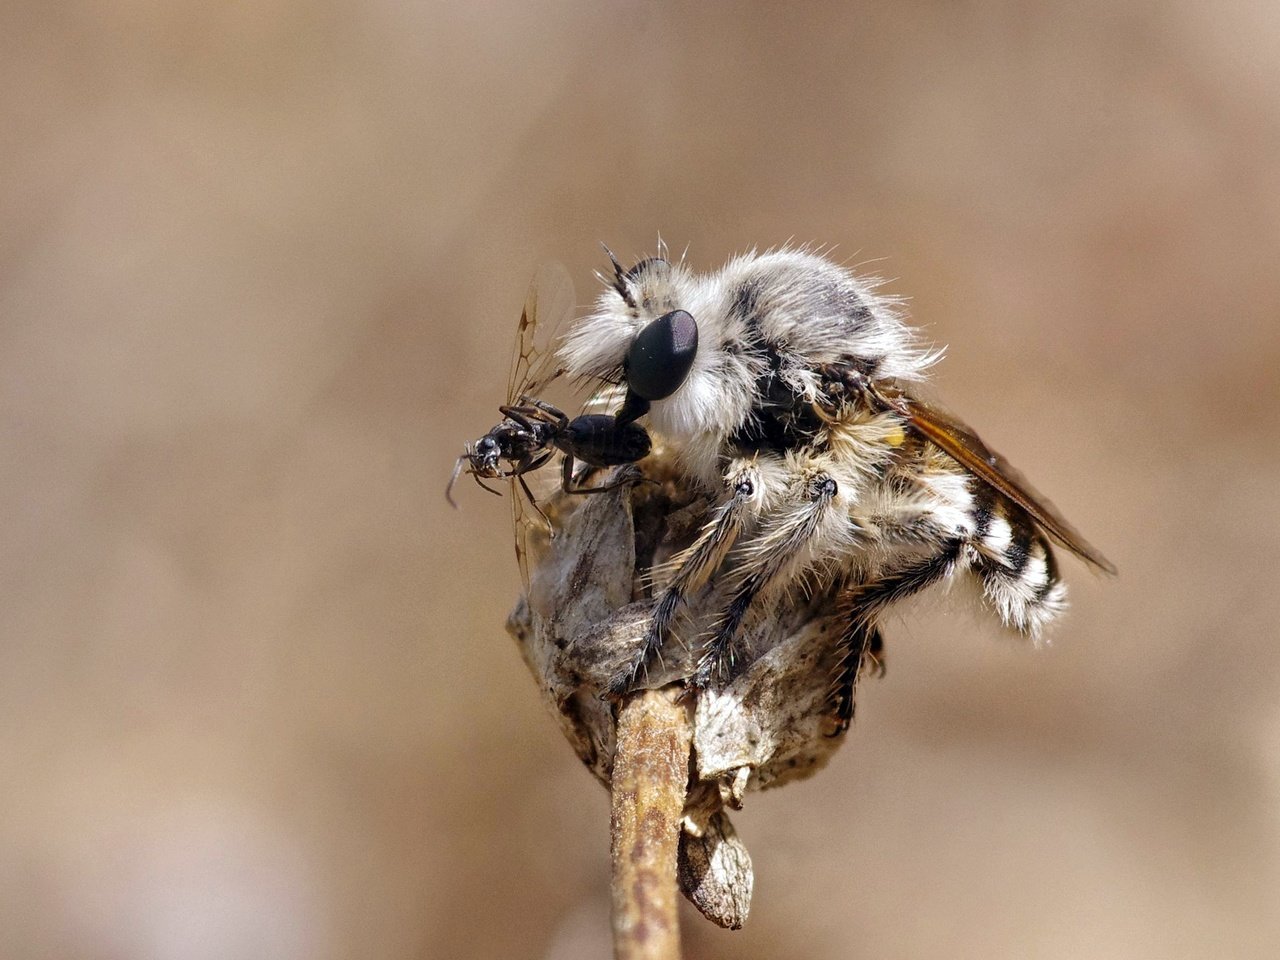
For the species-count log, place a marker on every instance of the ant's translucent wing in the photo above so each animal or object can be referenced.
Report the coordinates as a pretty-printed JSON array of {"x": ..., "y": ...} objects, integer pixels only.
[
  {"x": 530, "y": 525},
  {"x": 520, "y": 527},
  {"x": 549, "y": 301},
  {"x": 959, "y": 442},
  {"x": 606, "y": 398},
  {"x": 547, "y": 305}
]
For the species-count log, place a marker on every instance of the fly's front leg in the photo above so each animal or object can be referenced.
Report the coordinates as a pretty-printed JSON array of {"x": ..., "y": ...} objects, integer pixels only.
[
  {"x": 694, "y": 566},
  {"x": 785, "y": 548}
]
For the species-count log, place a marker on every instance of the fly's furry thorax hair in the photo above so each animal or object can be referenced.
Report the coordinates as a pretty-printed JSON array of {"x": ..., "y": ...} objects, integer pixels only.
[{"x": 766, "y": 321}]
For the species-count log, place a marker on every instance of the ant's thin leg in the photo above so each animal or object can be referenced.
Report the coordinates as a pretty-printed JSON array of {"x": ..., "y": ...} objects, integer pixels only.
[
  {"x": 551, "y": 532},
  {"x": 496, "y": 493},
  {"x": 519, "y": 414},
  {"x": 529, "y": 464},
  {"x": 568, "y": 487},
  {"x": 537, "y": 411},
  {"x": 562, "y": 419}
]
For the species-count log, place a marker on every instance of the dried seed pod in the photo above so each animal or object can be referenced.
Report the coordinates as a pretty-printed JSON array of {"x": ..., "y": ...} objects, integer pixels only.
[{"x": 584, "y": 619}]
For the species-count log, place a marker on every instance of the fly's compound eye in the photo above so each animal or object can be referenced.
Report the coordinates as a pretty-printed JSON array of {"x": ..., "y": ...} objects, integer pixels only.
[{"x": 661, "y": 355}]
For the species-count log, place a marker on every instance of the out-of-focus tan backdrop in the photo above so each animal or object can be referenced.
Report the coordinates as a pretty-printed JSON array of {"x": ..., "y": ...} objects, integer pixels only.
[{"x": 260, "y": 265}]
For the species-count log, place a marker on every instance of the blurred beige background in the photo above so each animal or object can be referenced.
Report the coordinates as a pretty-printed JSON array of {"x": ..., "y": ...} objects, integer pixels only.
[{"x": 260, "y": 265}]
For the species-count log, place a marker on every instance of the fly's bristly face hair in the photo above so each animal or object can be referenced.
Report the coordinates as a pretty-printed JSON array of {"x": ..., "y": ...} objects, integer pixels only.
[{"x": 827, "y": 473}]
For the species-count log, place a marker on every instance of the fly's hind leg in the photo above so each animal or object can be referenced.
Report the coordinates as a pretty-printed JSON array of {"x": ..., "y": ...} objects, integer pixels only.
[
  {"x": 861, "y": 645},
  {"x": 694, "y": 567},
  {"x": 861, "y": 605}
]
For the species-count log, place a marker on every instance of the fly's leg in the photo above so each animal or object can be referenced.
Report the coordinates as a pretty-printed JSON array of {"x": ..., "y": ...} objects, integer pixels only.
[
  {"x": 860, "y": 642},
  {"x": 694, "y": 566},
  {"x": 784, "y": 548},
  {"x": 860, "y": 645}
]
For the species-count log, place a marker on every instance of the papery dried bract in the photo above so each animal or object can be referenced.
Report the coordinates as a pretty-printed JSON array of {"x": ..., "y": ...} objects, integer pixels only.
[{"x": 585, "y": 617}]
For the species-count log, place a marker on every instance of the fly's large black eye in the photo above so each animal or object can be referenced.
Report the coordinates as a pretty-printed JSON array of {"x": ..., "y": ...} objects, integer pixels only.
[{"x": 661, "y": 356}]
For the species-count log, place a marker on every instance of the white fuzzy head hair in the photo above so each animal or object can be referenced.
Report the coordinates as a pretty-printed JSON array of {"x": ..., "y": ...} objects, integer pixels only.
[{"x": 765, "y": 316}]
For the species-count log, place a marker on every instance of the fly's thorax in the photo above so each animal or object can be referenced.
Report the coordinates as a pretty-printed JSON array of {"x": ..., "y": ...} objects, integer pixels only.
[
  {"x": 819, "y": 311},
  {"x": 865, "y": 441}
]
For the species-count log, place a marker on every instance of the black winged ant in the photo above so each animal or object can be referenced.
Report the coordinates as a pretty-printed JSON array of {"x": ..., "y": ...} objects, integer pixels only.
[{"x": 532, "y": 430}]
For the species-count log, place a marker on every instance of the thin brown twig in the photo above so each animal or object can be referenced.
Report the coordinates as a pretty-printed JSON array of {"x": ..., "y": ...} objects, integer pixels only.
[{"x": 650, "y": 777}]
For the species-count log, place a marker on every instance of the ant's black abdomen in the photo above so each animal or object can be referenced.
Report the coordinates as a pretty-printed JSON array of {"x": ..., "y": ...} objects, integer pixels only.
[{"x": 597, "y": 439}]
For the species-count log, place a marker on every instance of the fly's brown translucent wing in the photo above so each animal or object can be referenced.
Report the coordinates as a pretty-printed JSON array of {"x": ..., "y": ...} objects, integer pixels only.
[
  {"x": 966, "y": 447},
  {"x": 548, "y": 302}
]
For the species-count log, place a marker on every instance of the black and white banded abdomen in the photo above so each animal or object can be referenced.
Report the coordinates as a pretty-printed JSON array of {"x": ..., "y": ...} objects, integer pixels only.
[{"x": 1014, "y": 563}]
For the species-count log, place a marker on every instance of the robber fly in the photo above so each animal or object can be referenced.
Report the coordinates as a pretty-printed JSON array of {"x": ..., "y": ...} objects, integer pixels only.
[
  {"x": 532, "y": 431},
  {"x": 798, "y": 414}
]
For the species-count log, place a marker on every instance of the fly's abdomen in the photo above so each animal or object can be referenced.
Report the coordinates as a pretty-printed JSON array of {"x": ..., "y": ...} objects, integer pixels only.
[
  {"x": 597, "y": 439},
  {"x": 1017, "y": 568}
]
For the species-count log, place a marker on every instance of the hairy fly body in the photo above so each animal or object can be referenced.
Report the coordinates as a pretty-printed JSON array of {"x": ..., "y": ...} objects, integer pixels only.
[{"x": 796, "y": 410}]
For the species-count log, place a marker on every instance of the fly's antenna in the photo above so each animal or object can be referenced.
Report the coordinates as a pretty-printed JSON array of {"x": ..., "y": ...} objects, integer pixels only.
[{"x": 619, "y": 281}]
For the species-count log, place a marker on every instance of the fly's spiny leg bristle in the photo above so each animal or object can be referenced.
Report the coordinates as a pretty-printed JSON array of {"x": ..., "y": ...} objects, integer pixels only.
[{"x": 858, "y": 648}]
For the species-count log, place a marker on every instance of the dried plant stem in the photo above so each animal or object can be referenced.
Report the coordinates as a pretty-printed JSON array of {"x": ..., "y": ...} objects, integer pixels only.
[{"x": 650, "y": 777}]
